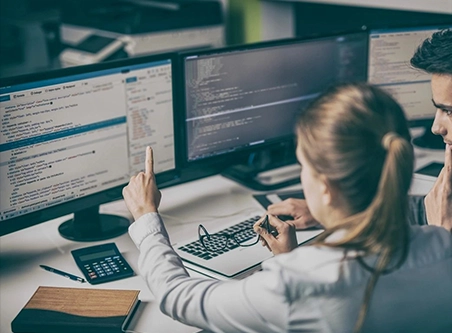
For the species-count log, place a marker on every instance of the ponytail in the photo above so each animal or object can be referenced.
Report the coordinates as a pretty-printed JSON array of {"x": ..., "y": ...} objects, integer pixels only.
[
  {"x": 382, "y": 228},
  {"x": 384, "y": 222},
  {"x": 385, "y": 209}
]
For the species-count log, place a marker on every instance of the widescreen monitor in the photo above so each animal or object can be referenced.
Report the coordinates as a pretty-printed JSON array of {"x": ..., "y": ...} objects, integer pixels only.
[
  {"x": 71, "y": 139},
  {"x": 390, "y": 51},
  {"x": 246, "y": 98}
]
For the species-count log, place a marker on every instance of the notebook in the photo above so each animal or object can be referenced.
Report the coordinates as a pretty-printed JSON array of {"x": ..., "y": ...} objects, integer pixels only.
[
  {"x": 71, "y": 310},
  {"x": 236, "y": 261}
]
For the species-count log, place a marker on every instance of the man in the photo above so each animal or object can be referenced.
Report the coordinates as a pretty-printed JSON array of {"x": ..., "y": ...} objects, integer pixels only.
[{"x": 433, "y": 56}]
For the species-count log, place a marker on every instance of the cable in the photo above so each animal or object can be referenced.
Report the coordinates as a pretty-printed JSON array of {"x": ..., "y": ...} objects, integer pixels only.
[{"x": 208, "y": 217}]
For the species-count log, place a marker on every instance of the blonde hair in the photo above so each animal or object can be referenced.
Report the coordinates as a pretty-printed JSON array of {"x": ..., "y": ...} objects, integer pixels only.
[{"x": 356, "y": 135}]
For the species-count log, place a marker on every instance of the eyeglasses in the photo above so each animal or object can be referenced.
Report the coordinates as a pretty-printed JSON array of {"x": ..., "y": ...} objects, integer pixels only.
[{"x": 245, "y": 237}]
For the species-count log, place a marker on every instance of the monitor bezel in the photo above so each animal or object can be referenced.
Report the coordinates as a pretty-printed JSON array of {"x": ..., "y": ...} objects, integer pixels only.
[
  {"x": 163, "y": 179},
  {"x": 218, "y": 163}
]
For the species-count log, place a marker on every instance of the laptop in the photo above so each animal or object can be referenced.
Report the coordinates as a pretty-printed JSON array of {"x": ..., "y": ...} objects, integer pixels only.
[{"x": 234, "y": 261}]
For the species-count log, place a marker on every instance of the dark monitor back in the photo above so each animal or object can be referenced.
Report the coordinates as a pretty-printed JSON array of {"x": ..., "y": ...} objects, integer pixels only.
[
  {"x": 71, "y": 138},
  {"x": 241, "y": 101}
]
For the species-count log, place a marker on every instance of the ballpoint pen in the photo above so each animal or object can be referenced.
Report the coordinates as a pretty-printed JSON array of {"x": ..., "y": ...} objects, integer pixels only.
[
  {"x": 267, "y": 226},
  {"x": 66, "y": 275}
]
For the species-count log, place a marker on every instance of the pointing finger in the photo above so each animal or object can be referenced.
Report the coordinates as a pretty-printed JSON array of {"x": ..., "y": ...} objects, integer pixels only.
[{"x": 149, "y": 164}]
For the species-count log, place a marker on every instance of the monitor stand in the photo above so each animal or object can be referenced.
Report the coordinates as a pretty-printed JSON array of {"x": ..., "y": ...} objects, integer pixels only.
[
  {"x": 89, "y": 225},
  {"x": 269, "y": 180},
  {"x": 429, "y": 140}
]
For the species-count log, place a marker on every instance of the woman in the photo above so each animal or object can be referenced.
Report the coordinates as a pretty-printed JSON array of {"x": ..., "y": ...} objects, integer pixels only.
[{"x": 369, "y": 272}]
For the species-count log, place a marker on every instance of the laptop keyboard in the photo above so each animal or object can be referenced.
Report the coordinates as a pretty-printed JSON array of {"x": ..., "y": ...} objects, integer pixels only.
[{"x": 195, "y": 248}]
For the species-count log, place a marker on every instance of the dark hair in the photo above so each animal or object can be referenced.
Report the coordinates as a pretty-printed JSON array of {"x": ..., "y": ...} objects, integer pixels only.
[{"x": 434, "y": 55}]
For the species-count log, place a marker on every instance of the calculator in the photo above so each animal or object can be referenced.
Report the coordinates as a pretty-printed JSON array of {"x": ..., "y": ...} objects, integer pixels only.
[{"x": 102, "y": 263}]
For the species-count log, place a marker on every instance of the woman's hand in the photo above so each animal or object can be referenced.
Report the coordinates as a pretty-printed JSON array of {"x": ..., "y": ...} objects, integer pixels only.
[
  {"x": 297, "y": 208},
  {"x": 284, "y": 242},
  {"x": 141, "y": 195}
]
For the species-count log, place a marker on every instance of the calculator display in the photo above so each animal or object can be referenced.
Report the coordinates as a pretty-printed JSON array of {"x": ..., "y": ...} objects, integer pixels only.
[{"x": 98, "y": 255}]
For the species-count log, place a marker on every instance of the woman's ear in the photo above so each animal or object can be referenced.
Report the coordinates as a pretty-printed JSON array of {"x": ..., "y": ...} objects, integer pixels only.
[
  {"x": 327, "y": 191},
  {"x": 331, "y": 196}
]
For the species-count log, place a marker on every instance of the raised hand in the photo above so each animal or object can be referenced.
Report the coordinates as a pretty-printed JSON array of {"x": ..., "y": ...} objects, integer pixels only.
[
  {"x": 438, "y": 202},
  {"x": 141, "y": 195}
]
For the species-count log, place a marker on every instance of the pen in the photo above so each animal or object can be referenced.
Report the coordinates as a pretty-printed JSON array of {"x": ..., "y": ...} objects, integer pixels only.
[
  {"x": 66, "y": 275},
  {"x": 270, "y": 229}
]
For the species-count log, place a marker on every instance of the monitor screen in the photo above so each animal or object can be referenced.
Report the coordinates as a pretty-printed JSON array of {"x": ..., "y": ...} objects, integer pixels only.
[
  {"x": 248, "y": 96},
  {"x": 79, "y": 133},
  {"x": 390, "y": 51}
]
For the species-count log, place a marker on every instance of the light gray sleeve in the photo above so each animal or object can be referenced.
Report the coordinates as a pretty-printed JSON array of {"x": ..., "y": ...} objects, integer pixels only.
[
  {"x": 416, "y": 210},
  {"x": 220, "y": 306}
]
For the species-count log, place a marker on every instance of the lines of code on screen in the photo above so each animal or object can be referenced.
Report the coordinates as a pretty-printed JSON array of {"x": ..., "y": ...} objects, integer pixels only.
[{"x": 247, "y": 97}]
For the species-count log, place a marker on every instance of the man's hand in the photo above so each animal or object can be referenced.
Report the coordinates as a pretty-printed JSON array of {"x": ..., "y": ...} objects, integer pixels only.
[
  {"x": 438, "y": 202},
  {"x": 141, "y": 195},
  {"x": 296, "y": 208},
  {"x": 284, "y": 242}
]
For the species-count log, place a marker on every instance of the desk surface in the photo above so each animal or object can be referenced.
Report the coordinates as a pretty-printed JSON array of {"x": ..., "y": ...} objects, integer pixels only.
[{"x": 182, "y": 207}]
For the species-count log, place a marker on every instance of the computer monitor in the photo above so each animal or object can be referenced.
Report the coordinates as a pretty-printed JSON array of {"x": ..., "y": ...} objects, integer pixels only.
[
  {"x": 245, "y": 99},
  {"x": 70, "y": 140},
  {"x": 390, "y": 51}
]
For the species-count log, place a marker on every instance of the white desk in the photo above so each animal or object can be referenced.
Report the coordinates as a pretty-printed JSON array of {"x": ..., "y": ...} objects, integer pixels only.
[{"x": 183, "y": 207}]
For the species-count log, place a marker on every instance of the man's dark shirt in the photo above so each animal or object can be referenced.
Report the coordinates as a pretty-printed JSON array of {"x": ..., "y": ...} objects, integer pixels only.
[{"x": 416, "y": 210}]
